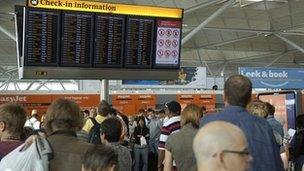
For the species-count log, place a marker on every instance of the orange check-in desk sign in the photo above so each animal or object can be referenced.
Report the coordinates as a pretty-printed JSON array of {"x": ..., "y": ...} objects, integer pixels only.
[
  {"x": 42, "y": 101},
  {"x": 207, "y": 100},
  {"x": 130, "y": 104}
]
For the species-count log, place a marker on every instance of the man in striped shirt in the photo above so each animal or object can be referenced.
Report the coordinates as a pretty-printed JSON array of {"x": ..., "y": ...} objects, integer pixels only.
[{"x": 173, "y": 110}]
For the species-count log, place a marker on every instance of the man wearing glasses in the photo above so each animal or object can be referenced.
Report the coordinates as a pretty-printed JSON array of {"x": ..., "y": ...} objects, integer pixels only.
[
  {"x": 261, "y": 142},
  {"x": 221, "y": 146}
]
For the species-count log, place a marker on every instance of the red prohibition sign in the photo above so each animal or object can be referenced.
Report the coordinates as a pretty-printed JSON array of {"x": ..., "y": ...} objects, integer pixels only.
[
  {"x": 169, "y": 32},
  {"x": 175, "y": 33},
  {"x": 174, "y": 53},
  {"x": 167, "y": 53},
  {"x": 168, "y": 43},
  {"x": 175, "y": 43},
  {"x": 161, "y": 42},
  {"x": 161, "y": 32},
  {"x": 160, "y": 53}
]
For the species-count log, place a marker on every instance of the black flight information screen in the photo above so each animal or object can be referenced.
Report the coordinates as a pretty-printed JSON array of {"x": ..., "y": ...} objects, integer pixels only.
[
  {"x": 109, "y": 40},
  {"x": 139, "y": 43},
  {"x": 42, "y": 37},
  {"x": 77, "y": 39}
]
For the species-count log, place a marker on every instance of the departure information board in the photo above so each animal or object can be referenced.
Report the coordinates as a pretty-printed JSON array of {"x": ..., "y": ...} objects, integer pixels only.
[
  {"x": 84, "y": 34},
  {"x": 77, "y": 39},
  {"x": 109, "y": 40},
  {"x": 139, "y": 43},
  {"x": 42, "y": 37}
]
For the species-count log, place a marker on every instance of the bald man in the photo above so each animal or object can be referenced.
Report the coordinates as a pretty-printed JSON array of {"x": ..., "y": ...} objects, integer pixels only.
[{"x": 221, "y": 146}]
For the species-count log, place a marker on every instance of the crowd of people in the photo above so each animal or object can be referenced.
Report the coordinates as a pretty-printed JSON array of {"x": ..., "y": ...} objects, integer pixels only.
[{"x": 244, "y": 136}]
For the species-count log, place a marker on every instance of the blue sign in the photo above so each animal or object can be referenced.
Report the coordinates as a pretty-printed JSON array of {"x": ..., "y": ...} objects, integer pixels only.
[
  {"x": 277, "y": 78},
  {"x": 188, "y": 77}
]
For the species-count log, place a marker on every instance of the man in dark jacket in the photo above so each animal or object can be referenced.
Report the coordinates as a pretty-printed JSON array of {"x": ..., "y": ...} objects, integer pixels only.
[{"x": 262, "y": 144}]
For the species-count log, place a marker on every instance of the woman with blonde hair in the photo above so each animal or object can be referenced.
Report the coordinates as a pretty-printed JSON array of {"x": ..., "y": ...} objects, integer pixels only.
[
  {"x": 179, "y": 145},
  {"x": 258, "y": 108}
]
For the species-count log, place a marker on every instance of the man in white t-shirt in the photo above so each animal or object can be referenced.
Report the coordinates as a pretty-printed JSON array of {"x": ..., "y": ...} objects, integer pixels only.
[{"x": 33, "y": 122}]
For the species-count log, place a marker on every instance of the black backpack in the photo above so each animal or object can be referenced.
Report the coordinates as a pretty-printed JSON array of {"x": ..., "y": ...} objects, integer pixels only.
[{"x": 94, "y": 134}]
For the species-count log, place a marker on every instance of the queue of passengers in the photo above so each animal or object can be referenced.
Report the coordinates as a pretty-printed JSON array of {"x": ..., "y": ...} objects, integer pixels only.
[{"x": 235, "y": 139}]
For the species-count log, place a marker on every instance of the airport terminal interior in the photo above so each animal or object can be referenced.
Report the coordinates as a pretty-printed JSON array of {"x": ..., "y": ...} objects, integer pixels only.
[{"x": 158, "y": 85}]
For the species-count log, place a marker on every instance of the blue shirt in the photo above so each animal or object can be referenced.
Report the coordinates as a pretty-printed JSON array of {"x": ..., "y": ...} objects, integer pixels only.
[
  {"x": 276, "y": 125},
  {"x": 259, "y": 135}
]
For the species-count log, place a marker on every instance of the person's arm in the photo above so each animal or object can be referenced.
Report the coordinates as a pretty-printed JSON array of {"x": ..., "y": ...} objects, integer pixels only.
[
  {"x": 161, "y": 156},
  {"x": 168, "y": 161}
]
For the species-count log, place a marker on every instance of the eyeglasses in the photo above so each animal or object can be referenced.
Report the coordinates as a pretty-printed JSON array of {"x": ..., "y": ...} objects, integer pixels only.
[{"x": 244, "y": 152}]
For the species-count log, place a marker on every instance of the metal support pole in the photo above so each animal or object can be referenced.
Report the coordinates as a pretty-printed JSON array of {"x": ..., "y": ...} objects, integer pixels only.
[
  {"x": 62, "y": 85},
  {"x": 276, "y": 59},
  {"x": 290, "y": 43},
  {"x": 30, "y": 85},
  {"x": 204, "y": 23},
  {"x": 6, "y": 32},
  {"x": 199, "y": 6},
  {"x": 42, "y": 84},
  {"x": 223, "y": 69},
  {"x": 203, "y": 61},
  {"x": 104, "y": 93},
  {"x": 231, "y": 41}
]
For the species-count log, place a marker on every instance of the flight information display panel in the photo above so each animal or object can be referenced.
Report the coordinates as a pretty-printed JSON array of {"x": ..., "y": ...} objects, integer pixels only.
[
  {"x": 77, "y": 39},
  {"x": 42, "y": 37},
  {"x": 109, "y": 40},
  {"x": 168, "y": 43},
  {"x": 139, "y": 42}
]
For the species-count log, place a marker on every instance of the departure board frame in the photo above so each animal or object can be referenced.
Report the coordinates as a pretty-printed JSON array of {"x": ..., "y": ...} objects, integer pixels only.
[
  {"x": 89, "y": 63},
  {"x": 128, "y": 43},
  {"x": 18, "y": 17},
  {"x": 99, "y": 64},
  {"x": 26, "y": 37},
  {"x": 102, "y": 70},
  {"x": 177, "y": 24}
]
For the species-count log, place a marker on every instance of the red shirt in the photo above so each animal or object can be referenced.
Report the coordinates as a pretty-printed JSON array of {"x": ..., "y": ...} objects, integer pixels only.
[{"x": 8, "y": 146}]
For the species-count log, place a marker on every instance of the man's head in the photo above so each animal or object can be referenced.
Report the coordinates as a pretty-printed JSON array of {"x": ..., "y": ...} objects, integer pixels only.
[
  {"x": 221, "y": 146},
  {"x": 63, "y": 114},
  {"x": 237, "y": 91},
  {"x": 258, "y": 108},
  {"x": 271, "y": 108},
  {"x": 12, "y": 119},
  {"x": 151, "y": 113},
  {"x": 100, "y": 158},
  {"x": 110, "y": 130},
  {"x": 93, "y": 112},
  {"x": 104, "y": 108},
  {"x": 173, "y": 108}
]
